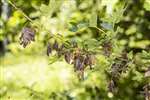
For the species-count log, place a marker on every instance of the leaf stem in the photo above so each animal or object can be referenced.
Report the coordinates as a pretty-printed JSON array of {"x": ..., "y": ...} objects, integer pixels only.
[{"x": 28, "y": 18}]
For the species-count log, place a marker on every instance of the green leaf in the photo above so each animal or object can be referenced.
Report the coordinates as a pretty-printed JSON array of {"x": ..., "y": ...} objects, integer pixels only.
[
  {"x": 130, "y": 55},
  {"x": 53, "y": 6},
  {"x": 93, "y": 19},
  {"x": 107, "y": 26},
  {"x": 145, "y": 55},
  {"x": 147, "y": 5}
]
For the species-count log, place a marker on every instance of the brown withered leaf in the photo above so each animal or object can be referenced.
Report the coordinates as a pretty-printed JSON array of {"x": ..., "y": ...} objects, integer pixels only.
[
  {"x": 89, "y": 60},
  {"x": 55, "y": 45},
  {"x": 107, "y": 48},
  {"x": 79, "y": 63},
  {"x": 28, "y": 35},
  {"x": 111, "y": 86},
  {"x": 81, "y": 74},
  {"x": 68, "y": 57},
  {"x": 49, "y": 49},
  {"x": 60, "y": 51}
]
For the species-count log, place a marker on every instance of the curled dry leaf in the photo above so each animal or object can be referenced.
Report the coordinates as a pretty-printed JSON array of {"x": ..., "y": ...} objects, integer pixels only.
[
  {"x": 28, "y": 35},
  {"x": 55, "y": 45},
  {"x": 111, "y": 86},
  {"x": 79, "y": 63},
  {"x": 49, "y": 49},
  {"x": 77, "y": 57},
  {"x": 68, "y": 57},
  {"x": 60, "y": 51},
  {"x": 107, "y": 48},
  {"x": 89, "y": 60}
]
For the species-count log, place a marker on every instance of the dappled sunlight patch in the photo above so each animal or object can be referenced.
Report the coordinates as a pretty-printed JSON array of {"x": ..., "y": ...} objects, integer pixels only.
[{"x": 37, "y": 75}]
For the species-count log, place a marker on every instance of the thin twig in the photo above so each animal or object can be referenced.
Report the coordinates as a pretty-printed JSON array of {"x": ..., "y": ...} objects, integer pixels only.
[{"x": 28, "y": 18}]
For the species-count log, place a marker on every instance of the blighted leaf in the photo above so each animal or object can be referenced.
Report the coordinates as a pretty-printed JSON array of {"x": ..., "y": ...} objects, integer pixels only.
[
  {"x": 27, "y": 36},
  {"x": 107, "y": 48},
  {"x": 49, "y": 49},
  {"x": 111, "y": 86},
  {"x": 60, "y": 51},
  {"x": 55, "y": 45},
  {"x": 68, "y": 57},
  {"x": 79, "y": 63},
  {"x": 89, "y": 60}
]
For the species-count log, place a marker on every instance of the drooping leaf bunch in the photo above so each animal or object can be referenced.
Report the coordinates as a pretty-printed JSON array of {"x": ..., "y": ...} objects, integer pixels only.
[
  {"x": 81, "y": 55},
  {"x": 119, "y": 66},
  {"x": 72, "y": 54}
]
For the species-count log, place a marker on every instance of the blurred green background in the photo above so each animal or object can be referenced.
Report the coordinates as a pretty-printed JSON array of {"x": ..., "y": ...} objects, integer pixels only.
[{"x": 26, "y": 74}]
